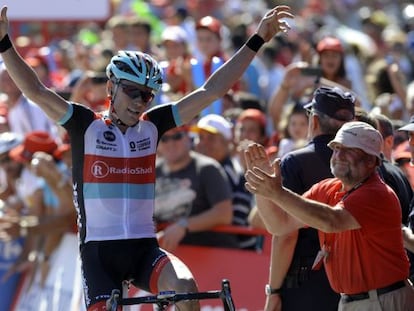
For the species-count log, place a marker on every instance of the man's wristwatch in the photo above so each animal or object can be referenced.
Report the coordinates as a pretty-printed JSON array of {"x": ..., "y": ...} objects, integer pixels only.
[
  {"x": 183, "y": 222},
  {"x": 272, "y": 291}
]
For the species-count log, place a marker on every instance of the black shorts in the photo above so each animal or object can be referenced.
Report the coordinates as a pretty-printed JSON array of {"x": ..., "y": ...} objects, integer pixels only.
[{"x": 105, "y": 264}]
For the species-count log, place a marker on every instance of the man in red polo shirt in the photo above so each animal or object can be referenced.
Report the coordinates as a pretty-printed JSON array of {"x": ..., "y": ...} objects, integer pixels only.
[{"x": 357, "y": 215}]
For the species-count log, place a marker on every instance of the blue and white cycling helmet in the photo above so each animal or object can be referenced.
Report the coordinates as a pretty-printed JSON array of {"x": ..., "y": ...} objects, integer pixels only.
[{"x": 136, "y": 67}]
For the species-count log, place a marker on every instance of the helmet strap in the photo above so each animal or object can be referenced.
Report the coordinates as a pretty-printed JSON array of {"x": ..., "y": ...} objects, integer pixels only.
[{"x": 112, "y": 111}]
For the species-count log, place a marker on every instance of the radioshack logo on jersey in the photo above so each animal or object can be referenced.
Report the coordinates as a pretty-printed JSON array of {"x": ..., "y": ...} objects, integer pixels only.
[{"x": 101, "y": 169}]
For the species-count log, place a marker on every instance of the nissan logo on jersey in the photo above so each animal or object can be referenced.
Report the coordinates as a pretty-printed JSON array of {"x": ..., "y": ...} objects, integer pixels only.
[{"x": 109, "y": 136}]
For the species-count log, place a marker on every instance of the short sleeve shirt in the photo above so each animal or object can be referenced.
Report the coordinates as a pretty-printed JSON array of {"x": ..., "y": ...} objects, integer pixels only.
[{"x": 372, "y": 256}]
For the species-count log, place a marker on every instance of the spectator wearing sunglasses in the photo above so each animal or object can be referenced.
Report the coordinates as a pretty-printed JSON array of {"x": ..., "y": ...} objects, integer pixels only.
[
  {"x": 114, "y": 161},
  {"x": 215, "y": 139},
  {"x": 90, "y": 89},
  {"x": 204, "y": 199}
]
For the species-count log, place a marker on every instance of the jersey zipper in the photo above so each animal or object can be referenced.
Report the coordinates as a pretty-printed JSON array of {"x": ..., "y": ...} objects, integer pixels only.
[{"x": 125, "y": 187}]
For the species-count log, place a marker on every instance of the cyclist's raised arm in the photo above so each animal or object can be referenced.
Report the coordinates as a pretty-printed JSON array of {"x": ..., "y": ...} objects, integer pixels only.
[
  {"x": 24, "y": 76},
  {"x": 229, "y": 73}
]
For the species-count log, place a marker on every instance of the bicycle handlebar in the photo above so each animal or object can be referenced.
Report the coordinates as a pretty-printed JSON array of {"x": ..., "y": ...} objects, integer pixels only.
[{"x": 166, "y": 298}]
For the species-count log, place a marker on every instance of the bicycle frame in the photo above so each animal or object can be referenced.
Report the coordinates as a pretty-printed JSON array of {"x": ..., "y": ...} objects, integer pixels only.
[{"x": 165, "y": 299}]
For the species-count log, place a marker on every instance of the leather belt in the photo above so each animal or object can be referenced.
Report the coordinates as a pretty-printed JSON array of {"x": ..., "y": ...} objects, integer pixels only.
[{"x": 380, "y": 291}]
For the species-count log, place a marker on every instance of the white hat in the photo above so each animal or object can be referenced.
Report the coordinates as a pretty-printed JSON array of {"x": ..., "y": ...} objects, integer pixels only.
[
  {"x": 408, "y": 127},
  {"x": 9, "y": 140},
  {"x": 174, "y": 33},
  {"x": 360, "y": 135},
  {"x": 215, "y": 124}
]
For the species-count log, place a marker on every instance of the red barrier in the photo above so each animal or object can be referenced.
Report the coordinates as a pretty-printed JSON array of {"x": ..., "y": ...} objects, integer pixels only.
[{"x": 246, "y": 270}]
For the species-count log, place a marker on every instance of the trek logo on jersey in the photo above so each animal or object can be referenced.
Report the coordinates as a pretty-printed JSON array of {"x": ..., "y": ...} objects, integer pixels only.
[{"x": 101, "y": 169}]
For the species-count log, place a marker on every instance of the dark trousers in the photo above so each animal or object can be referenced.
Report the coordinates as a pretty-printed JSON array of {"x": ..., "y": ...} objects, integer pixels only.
[{"x": 313, "y": 294}]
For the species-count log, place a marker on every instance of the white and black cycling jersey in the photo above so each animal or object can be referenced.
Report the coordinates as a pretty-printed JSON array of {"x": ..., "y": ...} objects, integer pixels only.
[{"x": 114, "y": 172}]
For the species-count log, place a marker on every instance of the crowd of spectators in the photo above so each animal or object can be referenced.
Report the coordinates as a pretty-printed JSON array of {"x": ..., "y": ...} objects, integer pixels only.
[{"x": 366, "y": 47}]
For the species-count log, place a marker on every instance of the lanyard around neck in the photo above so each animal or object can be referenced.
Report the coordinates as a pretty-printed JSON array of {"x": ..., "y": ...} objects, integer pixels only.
[{"x": 355, "y": 187}]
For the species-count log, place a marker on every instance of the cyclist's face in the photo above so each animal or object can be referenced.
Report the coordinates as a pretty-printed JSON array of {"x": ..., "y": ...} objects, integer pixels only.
[{"x": 131, "y": 100}]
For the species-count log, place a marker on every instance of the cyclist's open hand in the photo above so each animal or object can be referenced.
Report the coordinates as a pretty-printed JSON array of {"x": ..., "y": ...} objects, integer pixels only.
[
  {"x": 4, "y": 22},
  {"x": 274, "y": 22}
]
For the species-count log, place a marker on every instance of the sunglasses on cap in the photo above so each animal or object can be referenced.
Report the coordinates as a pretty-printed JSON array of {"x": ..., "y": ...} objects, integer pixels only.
[
  {"x": 174, "y": 137},
  {"x": 344, "y": 118},
  {"x": 134, "y": 93}
]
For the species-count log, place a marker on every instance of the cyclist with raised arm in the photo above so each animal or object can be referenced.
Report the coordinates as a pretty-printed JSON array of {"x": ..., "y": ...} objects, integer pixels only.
[{"x": 114, "y": 161}]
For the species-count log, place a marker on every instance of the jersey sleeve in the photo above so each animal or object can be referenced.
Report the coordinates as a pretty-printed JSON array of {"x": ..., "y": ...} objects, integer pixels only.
[
  {"x": 77, "y": 118},
  {"x": 164, "y": 117}
]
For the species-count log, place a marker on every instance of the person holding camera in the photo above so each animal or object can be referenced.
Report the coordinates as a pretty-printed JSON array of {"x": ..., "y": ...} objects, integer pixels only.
[
  {"x": 302, "y": 77},
  {"x": 90, "y": 90}
]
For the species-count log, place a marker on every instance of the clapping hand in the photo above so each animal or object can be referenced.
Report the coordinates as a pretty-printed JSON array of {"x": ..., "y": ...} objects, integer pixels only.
[
  {"x": 262, "y": 177},
  {"x": 255, "y": 156}
]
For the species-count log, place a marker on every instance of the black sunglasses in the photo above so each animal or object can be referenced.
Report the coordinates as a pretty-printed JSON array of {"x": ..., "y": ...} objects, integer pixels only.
[
  {"x": 175, "y": 137},
  {"x": 133, "y": 93}
]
